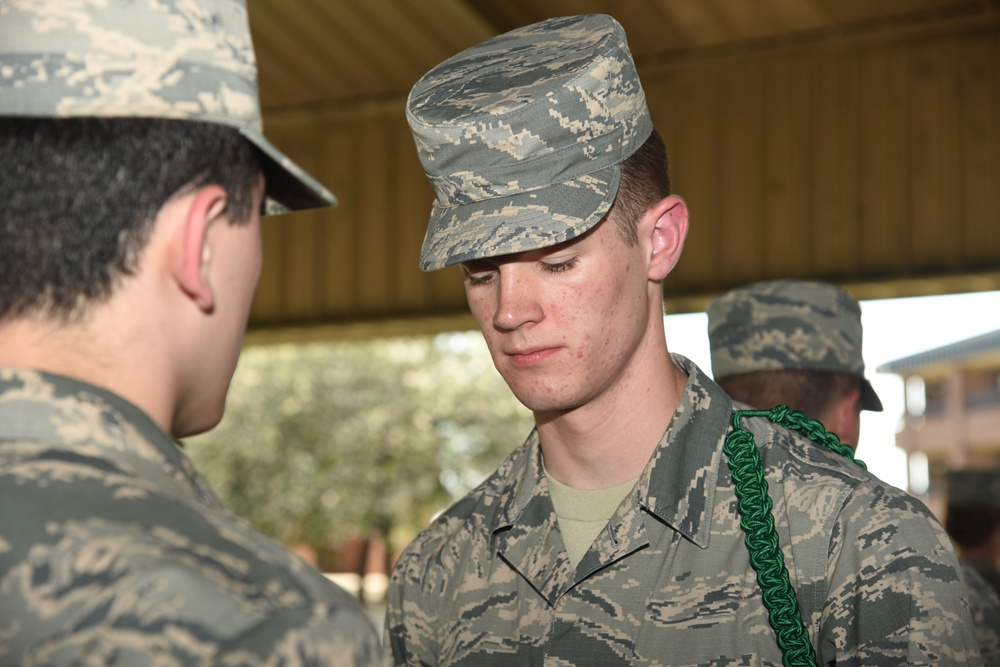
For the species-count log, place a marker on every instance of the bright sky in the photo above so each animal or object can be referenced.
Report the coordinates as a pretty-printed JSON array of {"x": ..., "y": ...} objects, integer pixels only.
[{"x": 893, "y": 328}]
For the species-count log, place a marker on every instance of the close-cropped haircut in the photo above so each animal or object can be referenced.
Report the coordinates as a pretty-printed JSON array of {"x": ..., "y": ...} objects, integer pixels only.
[
  {"x": 79, "y": 198},
  {"x": 645, "y": 180},
  {"x": 971, "y": 526},
  {"x": 809, "y": 391}
]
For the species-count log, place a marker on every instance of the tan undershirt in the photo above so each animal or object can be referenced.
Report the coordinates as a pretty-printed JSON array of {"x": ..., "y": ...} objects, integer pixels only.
[{"x": 583, "y": 513}]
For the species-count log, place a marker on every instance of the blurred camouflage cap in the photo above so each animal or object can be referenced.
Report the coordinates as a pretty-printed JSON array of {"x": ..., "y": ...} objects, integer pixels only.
[
  {"x": 521, "y": 137},
  {"x": 788, "y": 325},
  {"x": 966, "y": 488},
  {"x": 173, "y": 59}
]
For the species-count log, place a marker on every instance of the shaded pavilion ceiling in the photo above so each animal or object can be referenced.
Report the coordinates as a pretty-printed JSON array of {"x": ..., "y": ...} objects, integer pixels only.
[{"x": 845, "y": 140}]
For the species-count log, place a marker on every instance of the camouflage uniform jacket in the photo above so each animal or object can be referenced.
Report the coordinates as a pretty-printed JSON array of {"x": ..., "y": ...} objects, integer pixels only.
[
  {"x": 669, "y": 581},
  {"x": 113, "y": 551},
  {"x": 984, "y": 604}
]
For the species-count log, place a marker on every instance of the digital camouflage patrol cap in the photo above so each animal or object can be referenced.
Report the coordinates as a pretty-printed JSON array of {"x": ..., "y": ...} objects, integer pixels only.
[
  {"x": 522, "y": 136},
  {"x": 174, "y": 59},
  {"x": 788, "y": 325}
]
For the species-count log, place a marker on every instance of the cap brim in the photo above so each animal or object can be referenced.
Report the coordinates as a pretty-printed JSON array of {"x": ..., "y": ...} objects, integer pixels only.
[
  {"x": 289, "y": 187},
  {"x": 869, "y": 399},
  {"x": 526, "y": 221}
]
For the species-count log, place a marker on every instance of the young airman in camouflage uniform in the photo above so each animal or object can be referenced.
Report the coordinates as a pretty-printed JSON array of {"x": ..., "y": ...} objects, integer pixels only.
[
  {"x": 612, "y": 536},
  {"x": 799, "y": 343},
  {"x": 795, "y": 343},
  {"x": 133, "y": 173}
]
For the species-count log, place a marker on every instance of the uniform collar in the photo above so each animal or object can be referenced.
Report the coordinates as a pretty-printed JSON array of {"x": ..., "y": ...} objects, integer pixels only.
[
  {"x": 74, "y": 415},
  {"x": 677, "y": 485},
  {"x": 524, "y": 528}
]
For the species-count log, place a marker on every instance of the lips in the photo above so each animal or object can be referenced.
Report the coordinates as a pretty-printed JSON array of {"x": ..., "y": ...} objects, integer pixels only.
[{"x": 531, "y": 356}]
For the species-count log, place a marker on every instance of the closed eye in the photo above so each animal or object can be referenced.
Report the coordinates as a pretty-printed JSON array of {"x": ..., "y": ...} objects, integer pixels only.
[
  {"x": 559, "y": 267},
  {"x": 477, "y": 273}
]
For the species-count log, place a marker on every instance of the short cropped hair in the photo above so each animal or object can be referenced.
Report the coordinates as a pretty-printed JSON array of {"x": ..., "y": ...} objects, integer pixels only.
[
  {"x": 810, "y": 391},
  {"x": 79, "y": 196},
  {"x": 645, "y": 180},
  {"x": 971, "y": 526}
]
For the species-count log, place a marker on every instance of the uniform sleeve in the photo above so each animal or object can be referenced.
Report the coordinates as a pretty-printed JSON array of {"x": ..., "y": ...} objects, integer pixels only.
[
  {"x": 408, "y": 634},
  {"x": 895, "y": 594},
  {"x": 316, "y": 637},
  {"x": 984, "y": 605},
  {"x": 179, "y": 614}
]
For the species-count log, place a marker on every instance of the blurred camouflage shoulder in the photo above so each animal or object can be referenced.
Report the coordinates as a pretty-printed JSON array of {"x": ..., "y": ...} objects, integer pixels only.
[
  {"x": 984, "y": 604},
  {"x": 119, "y": 551}
]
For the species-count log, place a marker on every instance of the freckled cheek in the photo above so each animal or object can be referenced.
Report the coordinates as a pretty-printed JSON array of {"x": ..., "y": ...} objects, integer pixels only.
[
  {"x": 480, "y": 308},
  {"x": 596, "y": 317},
  {"x": 573, "y": 311}
]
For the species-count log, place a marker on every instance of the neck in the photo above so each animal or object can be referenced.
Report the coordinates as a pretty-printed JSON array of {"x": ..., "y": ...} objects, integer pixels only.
[
  {"x": 117, "y": 353},
  {"x": 610, "y": 439}
]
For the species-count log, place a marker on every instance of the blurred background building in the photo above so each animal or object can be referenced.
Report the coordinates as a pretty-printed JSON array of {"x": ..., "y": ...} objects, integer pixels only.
[{"x": 952, "y": 414}]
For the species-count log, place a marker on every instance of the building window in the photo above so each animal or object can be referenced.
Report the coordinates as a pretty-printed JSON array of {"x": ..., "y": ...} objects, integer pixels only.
[{"x": 916, "y": 397}]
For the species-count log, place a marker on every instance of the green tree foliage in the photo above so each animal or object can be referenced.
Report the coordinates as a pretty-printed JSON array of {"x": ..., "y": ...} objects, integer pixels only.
[{"x": 325, "y": 441}]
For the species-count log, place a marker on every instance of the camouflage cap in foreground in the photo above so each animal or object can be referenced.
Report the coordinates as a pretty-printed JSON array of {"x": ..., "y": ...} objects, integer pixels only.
[
  {"x": 973, "y": 488},
  {"x": 171, "y": 59},
  {"x": 788, "y": 325},
  {"x": 521, "y": 137}
]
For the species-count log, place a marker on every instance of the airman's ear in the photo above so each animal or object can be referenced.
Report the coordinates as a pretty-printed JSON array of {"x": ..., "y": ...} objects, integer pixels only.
[
  {"x": 847, "y": 417},
  {"x": 667, "y": 224},
  {"x": 193, "y": 255}
]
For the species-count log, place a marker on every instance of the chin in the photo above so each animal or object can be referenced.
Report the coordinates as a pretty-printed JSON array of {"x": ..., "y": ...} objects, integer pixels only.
[
  {"x": 547, "y": 403},
  {"x": 204, "y": 419}
]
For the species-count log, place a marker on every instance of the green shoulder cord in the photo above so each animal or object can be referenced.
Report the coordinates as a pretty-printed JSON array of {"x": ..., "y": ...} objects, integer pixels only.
[{"x": 757, "y": 522}]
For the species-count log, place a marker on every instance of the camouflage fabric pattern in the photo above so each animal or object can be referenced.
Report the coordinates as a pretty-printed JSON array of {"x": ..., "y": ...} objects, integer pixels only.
[
  {"x": 521, "y": 136},
  {"x": 973, "y": 487},
  {"x": 669, "y": 581},
  {"x": 984, "y": 605},
  {"x": 143, "y": 59},
  {"x": 113, "y": 551},
  {"x": 788, "y": 325}
]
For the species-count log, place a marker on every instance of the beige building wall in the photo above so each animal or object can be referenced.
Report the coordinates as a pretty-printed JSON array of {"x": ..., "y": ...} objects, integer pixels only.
[{"x": 960, "y": 424}]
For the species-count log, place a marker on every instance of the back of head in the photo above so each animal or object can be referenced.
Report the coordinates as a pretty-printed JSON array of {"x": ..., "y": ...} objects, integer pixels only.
[
  {"x": 972, "y": 517},
  {"x": 788, "y": 326},
  {"x": 80, "y": 196},
  {"x": 108, "y": 110},
  {"x": 522, "y": 137},
  {"x": 813, "y": 392}
]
